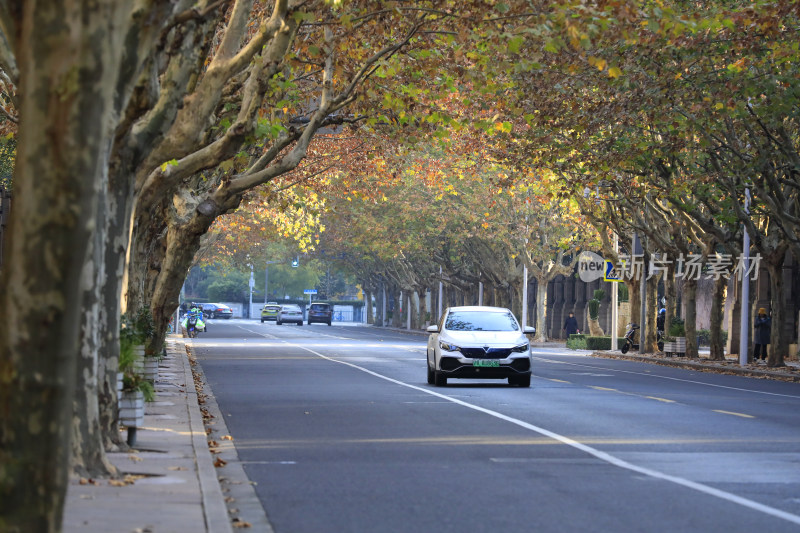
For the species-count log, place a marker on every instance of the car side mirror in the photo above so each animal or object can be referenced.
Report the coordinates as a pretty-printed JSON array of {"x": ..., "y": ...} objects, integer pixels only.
[
  {"x": 529, "y": 330},
  {"x": 432, "y": 329}
]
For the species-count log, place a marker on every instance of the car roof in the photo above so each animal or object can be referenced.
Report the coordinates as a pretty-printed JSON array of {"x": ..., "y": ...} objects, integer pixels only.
[{"x": 484, "y": 308}]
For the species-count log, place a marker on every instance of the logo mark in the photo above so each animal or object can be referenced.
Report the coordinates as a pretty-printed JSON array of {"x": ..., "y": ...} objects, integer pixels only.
[{"x": 591, "y": 266}]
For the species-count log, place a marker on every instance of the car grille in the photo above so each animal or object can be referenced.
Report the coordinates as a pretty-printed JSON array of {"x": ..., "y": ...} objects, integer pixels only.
[{"x": 484, "y": 353}]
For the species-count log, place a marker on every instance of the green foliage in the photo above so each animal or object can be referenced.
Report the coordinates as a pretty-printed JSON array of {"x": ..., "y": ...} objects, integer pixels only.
[
  {"x": 136, "y": 330},
  {"x": 594, "y": 304},
  {"x": 623, "y": 294},
  {"x": 8, "y": 149},
  {"x": 602, "y": 343},
  {"x": 594, "y": 309},
  {"x": 704, "y": 337},
  {"x": 676, "y": 327},
  {"x": 231, "y": 288},
  {"x": 577, "y": 341},
  {"x": 599, "y": 294},
  {"x": 143, "y": 323}
]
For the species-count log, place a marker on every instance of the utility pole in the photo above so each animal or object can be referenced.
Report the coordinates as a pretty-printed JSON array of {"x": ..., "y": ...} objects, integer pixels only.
[{"x": 744, "y": 322}]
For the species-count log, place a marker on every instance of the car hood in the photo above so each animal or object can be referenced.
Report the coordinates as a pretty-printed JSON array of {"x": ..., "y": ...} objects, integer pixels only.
[{"x": 484, "y": 338}]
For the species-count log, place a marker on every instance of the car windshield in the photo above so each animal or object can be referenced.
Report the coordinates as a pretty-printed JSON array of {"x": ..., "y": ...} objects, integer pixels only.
[
  {"x": 319, "y": 307},
  {"x": 290, "y": 308},
  {"x": 481, "y": 321}
]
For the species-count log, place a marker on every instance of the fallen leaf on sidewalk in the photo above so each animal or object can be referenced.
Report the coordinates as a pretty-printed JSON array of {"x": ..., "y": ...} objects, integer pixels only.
[
  {"x": 227, "y": 437},
  {"x": 88, "y": 481},
  {"x": 135, "y": 458},
  {"x": 176, "y": 468},
  {"x": 220, "y": 462},
  {"x": 241, "y": 523}
]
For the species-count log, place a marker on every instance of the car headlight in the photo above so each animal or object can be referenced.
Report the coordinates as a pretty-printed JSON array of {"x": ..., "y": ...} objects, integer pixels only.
[
  {"x": 448, "y": 347},
  {"x": 521, "y": 348}
]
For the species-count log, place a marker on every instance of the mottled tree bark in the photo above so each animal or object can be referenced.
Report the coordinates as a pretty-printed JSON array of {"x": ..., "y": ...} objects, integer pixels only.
[
  {"x": 717, "y": 310},
  {"x": 69, "y": 57},
  {"x": 690, "y": 320},
  {"x": 778, "y": 345}
]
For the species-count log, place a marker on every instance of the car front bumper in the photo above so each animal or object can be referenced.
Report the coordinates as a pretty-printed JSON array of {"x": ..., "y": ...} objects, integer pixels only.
[{"x": 465, "y": 368}]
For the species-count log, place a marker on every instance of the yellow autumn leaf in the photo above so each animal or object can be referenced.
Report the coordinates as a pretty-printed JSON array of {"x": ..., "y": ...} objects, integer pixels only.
[{"x": 614, "y": 72}]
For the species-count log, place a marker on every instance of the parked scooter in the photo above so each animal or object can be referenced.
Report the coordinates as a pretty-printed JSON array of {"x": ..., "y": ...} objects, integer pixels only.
[{"x": 630, "y": 333}]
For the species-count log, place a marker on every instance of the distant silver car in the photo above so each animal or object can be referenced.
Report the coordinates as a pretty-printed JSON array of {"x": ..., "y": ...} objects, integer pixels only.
[
  {"x": 479, "y": 342},
  {"x": 290, "y": 313}
]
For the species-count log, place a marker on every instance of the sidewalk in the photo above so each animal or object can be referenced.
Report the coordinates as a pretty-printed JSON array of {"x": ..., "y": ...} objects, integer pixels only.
[
  {"x": 168, "y": 483},
  {"x": 790, "y": 372}
]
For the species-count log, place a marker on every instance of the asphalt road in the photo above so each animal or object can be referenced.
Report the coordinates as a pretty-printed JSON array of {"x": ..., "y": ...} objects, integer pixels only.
[{"x": 341, "y": 433}]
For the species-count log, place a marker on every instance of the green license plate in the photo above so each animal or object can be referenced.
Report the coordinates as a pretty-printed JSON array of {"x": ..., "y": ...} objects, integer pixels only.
[{"x": 485, "y": 363}]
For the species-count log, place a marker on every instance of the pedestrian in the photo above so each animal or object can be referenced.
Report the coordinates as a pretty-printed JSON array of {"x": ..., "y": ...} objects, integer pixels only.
[
  {"x": 571, "y": 325},
  {"x": 763, "y": 330}
]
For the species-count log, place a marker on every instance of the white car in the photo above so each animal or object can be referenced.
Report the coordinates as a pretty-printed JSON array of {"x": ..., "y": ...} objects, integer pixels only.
[
  {"x": 479, "y": 343},
  {"x": 290, "y": 313}
]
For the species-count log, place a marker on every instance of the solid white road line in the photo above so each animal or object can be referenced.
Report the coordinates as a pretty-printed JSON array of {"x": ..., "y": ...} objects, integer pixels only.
[{"x": 603, "y": 456}]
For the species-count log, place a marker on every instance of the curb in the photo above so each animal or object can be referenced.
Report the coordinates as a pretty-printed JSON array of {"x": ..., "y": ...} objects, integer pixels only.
[
  {"x": 244, "y": 508},
  {"x": 719, "y": 367},
  {"x": 214, "y": 510}
]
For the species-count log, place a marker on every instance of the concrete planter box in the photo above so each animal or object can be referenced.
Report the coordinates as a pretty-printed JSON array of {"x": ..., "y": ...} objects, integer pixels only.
[
  {"x": 131, "y": 408},
  {"x": 150, "y": 371},
  {"x": 676, "y": 347},
  {"x": 138, "y": 362}
]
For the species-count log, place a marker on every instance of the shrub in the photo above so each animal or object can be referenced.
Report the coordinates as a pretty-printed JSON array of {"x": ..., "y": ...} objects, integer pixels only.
[
  {"x": 676, "y": 327},
  {"x": 594, "y": 304},
  {"x": 602, "y": 343},
  {"x": 623, "y": 292},
  {"x": 704, "y": 337},
  {"x": 576, "y": 341}
]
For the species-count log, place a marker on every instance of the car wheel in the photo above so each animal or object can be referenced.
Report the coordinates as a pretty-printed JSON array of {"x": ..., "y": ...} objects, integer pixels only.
[
  {"x": 329, "y": 323},
  {"x": 439, "y": 379},
  {"x": 262, "y": 320},
  {"x": 430, "y": 375},
  {"x": 300, "y": 323},
  {"x": 278, "y": 322},
  {"x": 213, "y": 315},
  {"x": 520, "y": 381}
]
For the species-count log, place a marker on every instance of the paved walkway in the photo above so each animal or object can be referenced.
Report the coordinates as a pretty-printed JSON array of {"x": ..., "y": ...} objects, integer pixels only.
[{"x": 170, "y": 481}]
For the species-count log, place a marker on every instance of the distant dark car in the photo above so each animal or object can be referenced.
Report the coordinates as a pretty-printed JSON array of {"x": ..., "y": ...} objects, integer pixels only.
[
  {"x": 320, "y": 312},
  {"x": 212, "y": 310},
  {"x": 290, "y": 313}
]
